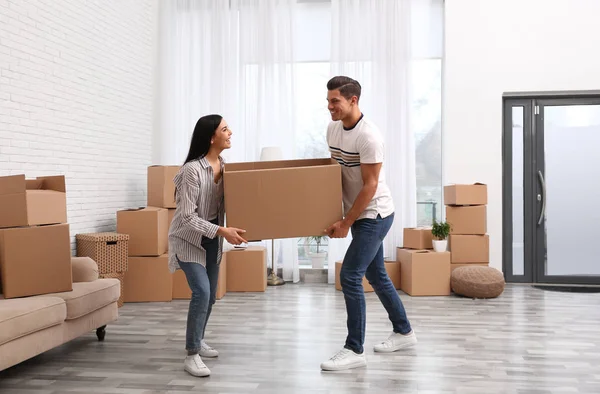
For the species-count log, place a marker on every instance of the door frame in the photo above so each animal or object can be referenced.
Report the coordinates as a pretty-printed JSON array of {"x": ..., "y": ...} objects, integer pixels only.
[{"x": 533, "y": 132}]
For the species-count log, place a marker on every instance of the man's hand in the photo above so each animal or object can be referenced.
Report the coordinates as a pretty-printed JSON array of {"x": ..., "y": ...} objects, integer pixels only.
[{"x": 339, "y": 229}]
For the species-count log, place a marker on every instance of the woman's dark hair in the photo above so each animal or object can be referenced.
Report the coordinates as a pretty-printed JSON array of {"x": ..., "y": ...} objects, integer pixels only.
[{"x": 203, "y": 133}]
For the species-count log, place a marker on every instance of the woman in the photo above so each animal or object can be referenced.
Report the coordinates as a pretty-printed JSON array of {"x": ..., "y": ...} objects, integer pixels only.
[{"x": 196, "y": 233}]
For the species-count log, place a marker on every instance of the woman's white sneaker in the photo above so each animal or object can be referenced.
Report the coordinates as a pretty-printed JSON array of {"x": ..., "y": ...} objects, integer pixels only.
[
  {"x": 396, "y": 342},
  {"x": 344, "y": 359},
  {"x": 207, "y": 351},
  {"x": 195, "y": 367}
]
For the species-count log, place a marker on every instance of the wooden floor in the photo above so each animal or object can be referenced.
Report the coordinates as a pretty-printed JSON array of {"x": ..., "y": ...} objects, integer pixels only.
[{"x": 526, "y": 341}]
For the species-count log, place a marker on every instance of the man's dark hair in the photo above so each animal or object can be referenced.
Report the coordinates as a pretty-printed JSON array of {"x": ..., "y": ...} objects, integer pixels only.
[{"x": 347, "y": 86}]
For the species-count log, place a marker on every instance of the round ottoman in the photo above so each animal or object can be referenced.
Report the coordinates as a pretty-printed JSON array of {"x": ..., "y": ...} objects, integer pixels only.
[{"x": 477, "y": 282}]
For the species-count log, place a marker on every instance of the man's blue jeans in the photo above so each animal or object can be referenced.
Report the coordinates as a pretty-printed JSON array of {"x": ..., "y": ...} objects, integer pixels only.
[
  {"x": 364, "y": 257},
  {"x": 203, "y": 283}
]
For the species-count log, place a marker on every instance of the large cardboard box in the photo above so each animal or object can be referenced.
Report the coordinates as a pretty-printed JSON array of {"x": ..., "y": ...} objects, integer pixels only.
[
  {"x": 247, "y": 269},
  {"x": 424, "y": 272},
  {"x": 467, "y": 220},
  {"x": 161, "y": 188},
  {"x": 283, "y": 199},
  {"x": 147, "y": 228},
  {"x": 418, "y": 238},
  {"x": 470, "y": 248},
  {"x": 31, "y": 202},
  {"x": 475, "y": 194},
  {"x": 455, "y": 266},
  {"x": 35, "y": 260},
  {"x": 148, "y": 279},
  {"x": 392, "y": 268},
  {"x": 182, "y": 291},
  {"x": 171, "y": 214}
]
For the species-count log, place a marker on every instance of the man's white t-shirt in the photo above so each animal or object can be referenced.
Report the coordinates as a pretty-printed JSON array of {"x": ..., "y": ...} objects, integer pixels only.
[{"x": 362, "y": 144}]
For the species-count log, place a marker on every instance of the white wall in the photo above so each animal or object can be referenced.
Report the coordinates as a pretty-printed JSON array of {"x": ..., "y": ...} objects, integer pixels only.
[
  {"x": 495, "y": 46},
  {"x": 76, "y": 97}
]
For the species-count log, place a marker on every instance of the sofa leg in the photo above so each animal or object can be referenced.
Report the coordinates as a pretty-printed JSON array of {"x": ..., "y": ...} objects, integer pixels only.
[{"x": 100, "y": 332}]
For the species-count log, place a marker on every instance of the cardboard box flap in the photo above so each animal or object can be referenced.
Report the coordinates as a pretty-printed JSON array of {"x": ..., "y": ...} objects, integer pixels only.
[
  {"x": 278, "y": 164},
  {"x": 12, "y": 184},
  {"x": 56, "y": 183}
]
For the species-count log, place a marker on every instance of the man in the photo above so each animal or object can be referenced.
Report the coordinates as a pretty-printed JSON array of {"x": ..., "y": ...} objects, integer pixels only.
[{"x": 356, "y": 143}]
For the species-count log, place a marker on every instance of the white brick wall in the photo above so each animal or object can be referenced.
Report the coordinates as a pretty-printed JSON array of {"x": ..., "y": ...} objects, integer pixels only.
[{"x": 76, "y": 96}]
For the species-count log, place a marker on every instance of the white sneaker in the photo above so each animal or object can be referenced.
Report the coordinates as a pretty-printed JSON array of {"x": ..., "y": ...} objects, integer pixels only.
[
  {"x": 344, "y": 359},
  {"x": 396, "y": 342},
  {"x": 194, "y": 366},
  {"x": 207, "y": 351}
]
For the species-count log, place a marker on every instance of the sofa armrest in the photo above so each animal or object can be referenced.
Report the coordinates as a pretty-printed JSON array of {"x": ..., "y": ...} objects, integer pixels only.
[{"x": 84, "y": 269}]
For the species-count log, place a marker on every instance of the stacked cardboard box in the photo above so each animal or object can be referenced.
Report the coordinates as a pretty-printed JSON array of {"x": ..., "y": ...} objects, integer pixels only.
[
  {"x": 110, "y": 252},
  {"x": 423, "y": 272},
  {"x": 466, "y": 211},
  {"x": 35, "y": 246},
  {"x": 147, "y": 277}
]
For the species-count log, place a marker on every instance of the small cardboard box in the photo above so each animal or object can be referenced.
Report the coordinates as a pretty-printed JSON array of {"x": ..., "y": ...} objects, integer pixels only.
[
  {"x": 475, "y": 194},
  {"x": 470, "y": 248},
  {"x": 392, "y": 268},
  {"x": 418, "y": 238},
  {"x": 424, "y": 272},
  {"x": 35, "y": 260},
  {"x": 247, "y": 269},
  {"x": 161, "y": 188},
  {"x": 283, "y": 199},
  {"x": 31, "y": 202},
  {"x": 455, "y": 266},
  {"x": 148, "y": 279},
  {"x": 147, "y": 228},
  {"x": 182, "y": 291},
  {"x": 467, "y": 220}
]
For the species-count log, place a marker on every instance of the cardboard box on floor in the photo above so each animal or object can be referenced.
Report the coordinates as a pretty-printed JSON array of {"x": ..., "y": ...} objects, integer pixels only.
[
  {"x": 283, "y": 199},
  {"x": 247, "y": 269},
  {"x": 467, "y": 220},
  {"x": 475, "y": 194},
  {"x": 469, "y": 248},
  {"x": 161, "y": 188},
  {"x": 182, "y": 291},
  {"x": 31, "y": 202},
  {"x": 418, "y": 238},
  {"x": 35, "y": 260},
  {"x": 147, "y": 228},
  {"x": 148, "y": 279},
  {"x": 424, "y": 272},
  {"x": 392, "y": 268}
]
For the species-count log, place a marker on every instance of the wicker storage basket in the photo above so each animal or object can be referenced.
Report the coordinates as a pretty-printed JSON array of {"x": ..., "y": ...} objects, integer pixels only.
[{"x": 108, "y": 250}]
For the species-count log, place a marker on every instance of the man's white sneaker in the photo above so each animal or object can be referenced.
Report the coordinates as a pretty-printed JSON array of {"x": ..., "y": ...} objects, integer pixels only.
[
  {"x": 396, "y": 342},
  {"x": 344, "y": 359},
  {"x": 207, "y": 351},
  {"x": 194, "y": 366}
]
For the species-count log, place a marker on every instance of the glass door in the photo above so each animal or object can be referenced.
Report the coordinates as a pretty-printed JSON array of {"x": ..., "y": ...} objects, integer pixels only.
[
  {"x": 568, "y": 171},
  {"x": 551, "y": 185}
]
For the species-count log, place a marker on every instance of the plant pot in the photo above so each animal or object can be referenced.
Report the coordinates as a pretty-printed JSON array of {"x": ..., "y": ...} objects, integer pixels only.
[
  {"x": 440, "y": 245},
  {"x": 318, "y": 259}
]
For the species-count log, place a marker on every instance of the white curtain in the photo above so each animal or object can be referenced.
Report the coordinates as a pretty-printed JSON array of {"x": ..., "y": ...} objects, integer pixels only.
[
  {"x": 237, "y": 58},
  {"x": 371, "y": 42},
  {"x": 233, "y": 58}
]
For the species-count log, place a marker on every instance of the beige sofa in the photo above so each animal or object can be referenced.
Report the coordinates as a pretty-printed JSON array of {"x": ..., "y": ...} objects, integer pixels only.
[{"x": 32, "y": 325}]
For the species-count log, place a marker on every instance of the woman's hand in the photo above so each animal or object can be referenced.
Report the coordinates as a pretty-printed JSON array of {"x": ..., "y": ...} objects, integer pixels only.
[{"x": 232, "y": 235}]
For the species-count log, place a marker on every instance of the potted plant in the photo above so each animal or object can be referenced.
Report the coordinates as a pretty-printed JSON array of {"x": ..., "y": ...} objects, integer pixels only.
[
  {"x": 440, "y": 232},
  {"x": 317, "y": 258}
]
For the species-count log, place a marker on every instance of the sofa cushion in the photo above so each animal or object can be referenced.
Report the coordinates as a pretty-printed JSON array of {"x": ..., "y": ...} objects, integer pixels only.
[
  {"x": 87, "y": 297},
  {"x": 22, "y": 316}
]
